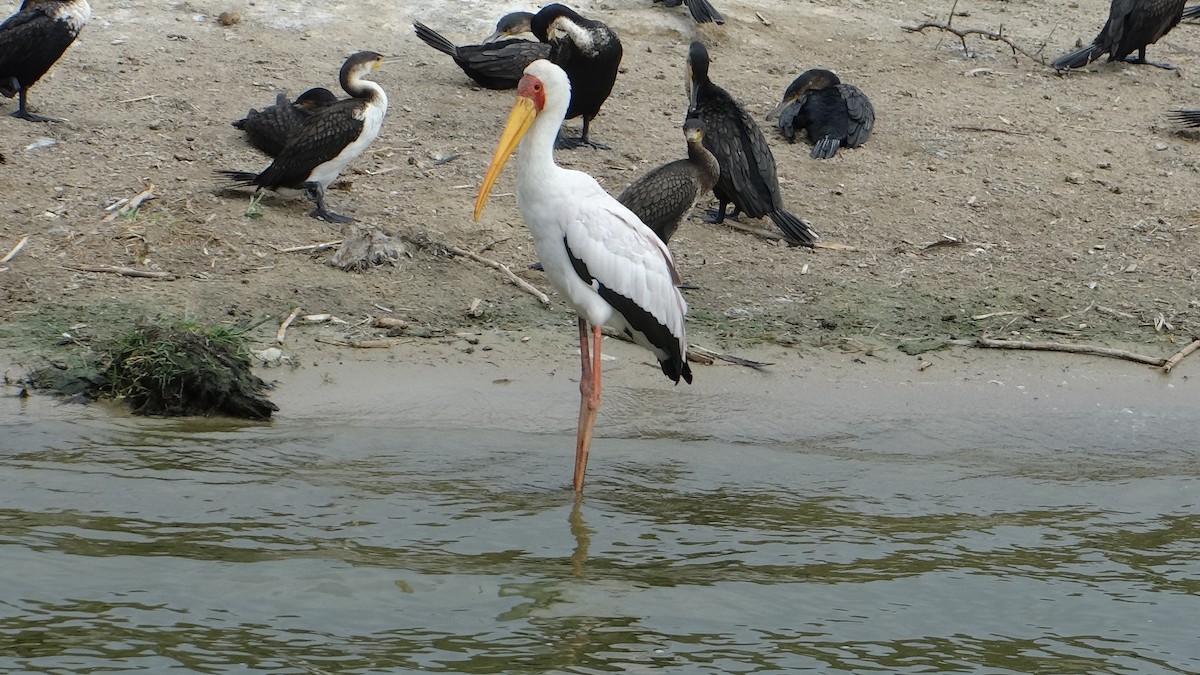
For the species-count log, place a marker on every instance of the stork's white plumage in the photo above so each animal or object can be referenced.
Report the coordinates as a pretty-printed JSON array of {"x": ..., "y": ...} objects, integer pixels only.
[{"x": 608, "y": 265}]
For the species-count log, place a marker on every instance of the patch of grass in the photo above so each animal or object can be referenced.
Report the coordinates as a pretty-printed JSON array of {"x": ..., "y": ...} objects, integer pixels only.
[
  {"x": 169, "y": 369},
  {"x": 254, "y": 209}
]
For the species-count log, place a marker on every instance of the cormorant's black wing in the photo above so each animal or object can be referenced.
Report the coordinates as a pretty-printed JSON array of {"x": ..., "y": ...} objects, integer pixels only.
[
  {"x": 500, "y": 65},
  {"x": 861, "y": 112},
  {"x": 662, "y": 197},
  {"x": 30, "y": 42},
  {"x": 323, "y": 137},
  {"x": 269, "y": 129},
  {"x": 747, "y": 166}
]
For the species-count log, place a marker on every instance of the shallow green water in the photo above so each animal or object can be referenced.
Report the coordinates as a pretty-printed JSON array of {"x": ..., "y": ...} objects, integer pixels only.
[{"x": 129, "y": 544}]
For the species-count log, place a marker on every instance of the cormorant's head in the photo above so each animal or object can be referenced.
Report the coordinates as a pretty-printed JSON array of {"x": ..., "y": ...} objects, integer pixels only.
[
  {"x": 512, "y": 24},
  {"x": 360, "y": 64},
  {"x": 314, "y": 99},
  {"x": 815, "y": 79},
  {"x": 693, "y": 130}
]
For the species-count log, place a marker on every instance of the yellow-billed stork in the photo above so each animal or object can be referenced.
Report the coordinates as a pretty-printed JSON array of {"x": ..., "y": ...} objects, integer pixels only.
[{"x": 608, "y": 265}]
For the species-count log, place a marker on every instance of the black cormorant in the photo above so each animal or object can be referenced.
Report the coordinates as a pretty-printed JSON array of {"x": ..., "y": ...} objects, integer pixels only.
[
  {"x": 702, "y": 10},
  {"x": 493, "y": 65},
  {"x": 32, "y": 40},
  {"x": 269, "y": 129},
  {"x": 663, "y": 197},
  {"x": 329, "y": 140},
  {"x": 1131, "y": 25},
  {"x": 832, "y": 113},
  {"x": 590, "y": 54},
  {"x": 748, "y": 179}
]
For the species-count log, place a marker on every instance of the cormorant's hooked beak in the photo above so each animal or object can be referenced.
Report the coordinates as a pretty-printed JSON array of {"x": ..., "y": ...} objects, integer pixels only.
[
  {"x": 519, "y": 120},
  {"x": 783, "y": 105}
]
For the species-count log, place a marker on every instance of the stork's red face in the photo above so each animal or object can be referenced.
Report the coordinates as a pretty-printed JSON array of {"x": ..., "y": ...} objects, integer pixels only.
[{"x": 531, "y": 98}]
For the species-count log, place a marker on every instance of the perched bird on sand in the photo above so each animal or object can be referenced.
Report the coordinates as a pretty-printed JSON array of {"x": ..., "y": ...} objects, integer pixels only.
[
  {"x": 604, "y": 261},
  {"x": 493, "y": 64},
  {"x": 702, "y": 10},
  {"x": 269, "y": 129},
  {"x": 832, "y": 114},
  {"x": 1131, "y": 25},
  {"x": 329, "y": 140},
  {"x": 663, "y": 197},
  {"x": 590, "y": 53},
  {"x": 33, "y": 40},
  {"x": 748, "y": 179}
]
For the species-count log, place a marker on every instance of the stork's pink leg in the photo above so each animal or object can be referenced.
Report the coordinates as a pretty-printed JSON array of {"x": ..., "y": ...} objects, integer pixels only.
[{"x": 589, "y": 399}]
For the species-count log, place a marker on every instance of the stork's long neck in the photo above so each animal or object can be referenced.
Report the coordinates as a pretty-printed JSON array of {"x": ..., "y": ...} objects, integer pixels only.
[{"x": 535, "y": 158}]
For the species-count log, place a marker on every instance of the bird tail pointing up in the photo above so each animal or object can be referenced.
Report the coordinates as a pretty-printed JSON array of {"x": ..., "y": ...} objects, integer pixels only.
[
  {"x": 798, "y": 232},
  {"x": 434, "y": 39},
  {"x": 825, "y": 148},
  {"x": 1078, "y": 58},
  {"x": 704, "y": 12}
]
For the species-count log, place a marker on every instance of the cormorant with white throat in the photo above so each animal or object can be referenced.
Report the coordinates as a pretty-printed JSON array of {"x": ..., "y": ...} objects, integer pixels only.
[
  {"x": 330, "y": 139},
  {"x": 33, "y": 40},
  {"x": 590, "y": 54}
]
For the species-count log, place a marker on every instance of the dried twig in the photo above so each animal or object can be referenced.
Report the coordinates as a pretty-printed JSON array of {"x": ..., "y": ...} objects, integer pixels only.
[
  {"x": 129, "y": 272},
  {"x": 962, "y": 34},
  {"x": 995, "y": 130},
  {"x": 495, "y": 264},
  {"x": 989, "y": 343},
  {"x": 15, "y": 250},
  {"x": 282, "y": 332},
  {"x": 1180, "y": 355},
  {"x": 312, "y": 248},
  {"x": 703, "y": 355},
  {"x": 133, "y": 203}
]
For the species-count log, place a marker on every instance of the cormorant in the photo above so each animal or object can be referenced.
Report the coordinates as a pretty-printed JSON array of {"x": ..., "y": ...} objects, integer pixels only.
[
  {"x": 1131, "y": 25},
  {"x": 270, "y": 129},
  {"x": 1191, "y": 12},
  {"x": 590, "y": 54},
  {"x": 330, "y": 139},
  {"x": 702, "y": 11},
  {"x": 1187, "y": 117},
  {"x": 493, "y": 65},
  {"x": 663, "y": 197},
  {"x": 748, "y": 179},
  {"x": 832, "y": 113},
  {"x": 32, "y": 40}
]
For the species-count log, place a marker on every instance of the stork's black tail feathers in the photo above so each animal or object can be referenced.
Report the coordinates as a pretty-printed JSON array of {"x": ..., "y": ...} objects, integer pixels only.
[
  {"x": 434, "y": 39},
  {"x": 825, "y": 148},
  {"x": 798, "y": 232},
  {"x": 1079, "y": 58},
  {"x": 703, "y": 12},
  {"x": 1186, "y": 117}
]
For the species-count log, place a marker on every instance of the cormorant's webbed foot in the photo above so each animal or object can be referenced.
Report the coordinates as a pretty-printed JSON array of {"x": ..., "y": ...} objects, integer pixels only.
[
  {"x": 316, "y": 194},
  {"x": 22, "y": 113},
  {"x": 718, "y": 215},
  {"x": 565, "y": 143},
  {"x": 1156, "y": 64}
]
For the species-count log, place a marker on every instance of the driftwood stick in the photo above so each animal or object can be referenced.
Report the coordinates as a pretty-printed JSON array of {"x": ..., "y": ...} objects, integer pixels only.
[
  {"x": 1180, "y": 355},
  {"x": 129, "y": 272},
  {"x": 282, "y": 332},
  {"x": 495, "y": 264},
  {"x": 990, "y": 343},
  {"x": 133, "y": 203},
  {"x": 15, "y": 250},
  {"x": 707, "y": 356},
  {"x": 310, "y": 247}
]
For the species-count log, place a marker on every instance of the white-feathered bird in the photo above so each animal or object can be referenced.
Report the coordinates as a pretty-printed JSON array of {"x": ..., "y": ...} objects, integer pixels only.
[{"x": 608, "y": 265}]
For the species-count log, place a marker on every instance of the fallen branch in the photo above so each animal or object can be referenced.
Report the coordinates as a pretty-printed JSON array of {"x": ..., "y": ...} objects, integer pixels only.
[
  {"x": 282, "y": 332},
  {"x": 964, "y": 32},
  {"x": 1180, "y": 355},
  {"x": 129, "y": 272},
  {"x": 310, "y": 248},
  {"x": 989, "y": 343},
  {"x": 495, "y": 264},
  {"x": 133, "y": 203},
  {"x": 994, "y": 130},
  {"x": 15, "y": 250}
]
